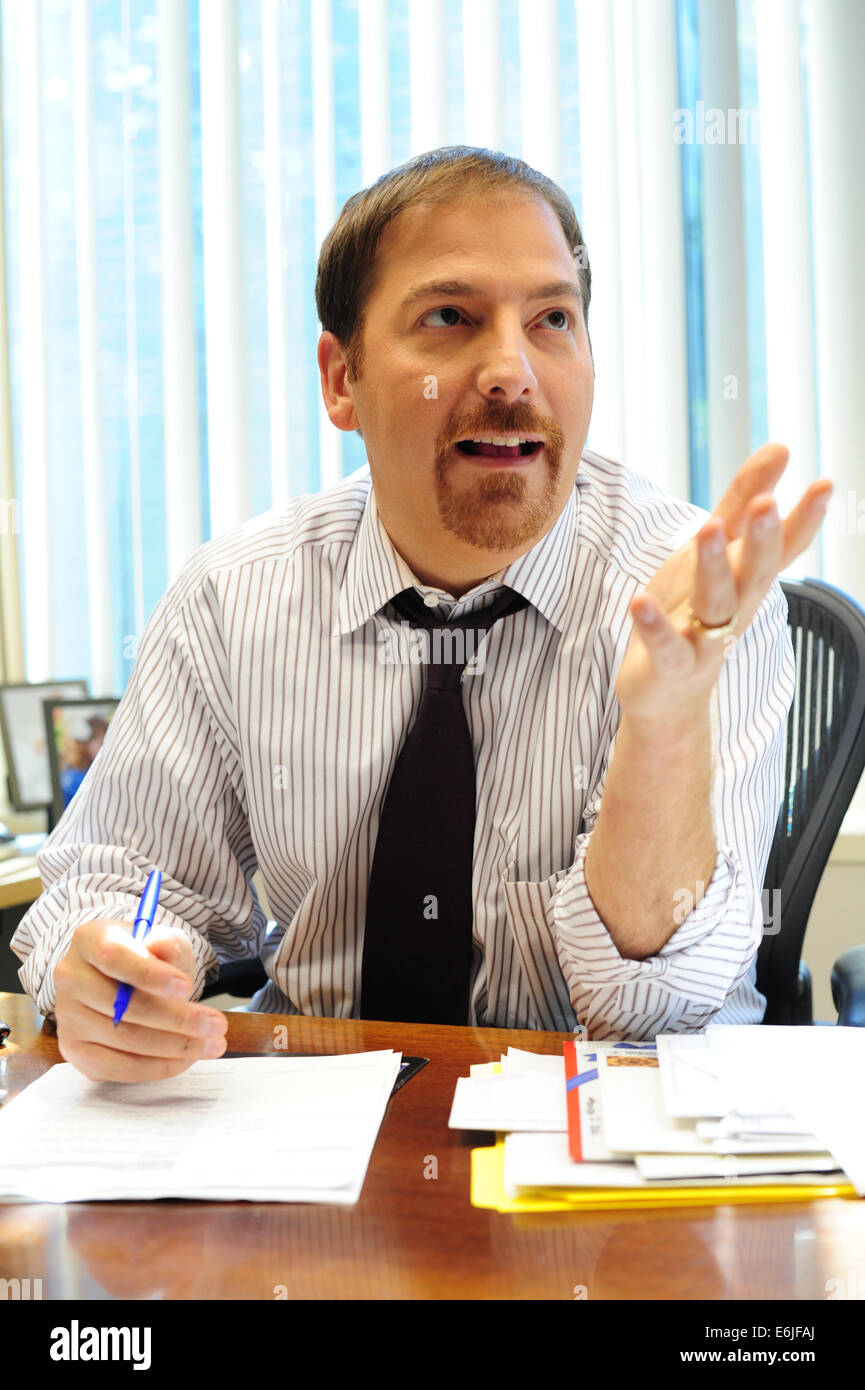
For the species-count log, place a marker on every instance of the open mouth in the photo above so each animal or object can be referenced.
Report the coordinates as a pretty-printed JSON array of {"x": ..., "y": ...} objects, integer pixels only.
[{"x": 528, "y": 449}]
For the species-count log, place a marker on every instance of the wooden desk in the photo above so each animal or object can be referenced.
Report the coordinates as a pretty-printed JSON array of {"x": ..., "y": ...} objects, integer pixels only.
[
  {"x": 410, "y": 1236},
  {"x": 19, "y": 881}
]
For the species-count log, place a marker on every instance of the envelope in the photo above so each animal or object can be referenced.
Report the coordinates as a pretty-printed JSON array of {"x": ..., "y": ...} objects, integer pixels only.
[
  {"x": 635, "y": 1120},
  {"x": 709, "y": 1075},
  {"x": 692, "y": 1077},
  {"x": 585, "y": 1103}
]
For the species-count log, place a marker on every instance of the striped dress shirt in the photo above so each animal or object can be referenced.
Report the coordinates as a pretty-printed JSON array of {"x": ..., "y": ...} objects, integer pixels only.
[{"x": 263, "y": 718}]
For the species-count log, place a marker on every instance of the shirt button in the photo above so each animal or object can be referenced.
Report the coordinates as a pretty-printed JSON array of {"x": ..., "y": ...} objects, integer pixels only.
[{"x": 430, "y": 600}]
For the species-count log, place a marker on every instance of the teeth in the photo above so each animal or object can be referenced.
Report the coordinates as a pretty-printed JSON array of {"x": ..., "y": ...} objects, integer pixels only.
[{"x": 510, "y": 440}]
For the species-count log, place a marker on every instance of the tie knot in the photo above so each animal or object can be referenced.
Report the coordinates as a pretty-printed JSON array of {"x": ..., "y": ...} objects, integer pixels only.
[{"x": 450, "y": 646}]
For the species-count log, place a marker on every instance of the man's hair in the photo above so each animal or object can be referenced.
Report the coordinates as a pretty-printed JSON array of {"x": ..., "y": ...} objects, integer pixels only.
[{"x": 348, "y": 271}]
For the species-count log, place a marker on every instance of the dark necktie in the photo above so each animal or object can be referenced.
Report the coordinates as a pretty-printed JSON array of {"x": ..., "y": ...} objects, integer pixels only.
[{"x": 417, "y": 950}]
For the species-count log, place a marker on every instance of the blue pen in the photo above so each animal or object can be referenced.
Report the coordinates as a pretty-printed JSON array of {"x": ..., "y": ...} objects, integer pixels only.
[{"x": 143, "y": 923}]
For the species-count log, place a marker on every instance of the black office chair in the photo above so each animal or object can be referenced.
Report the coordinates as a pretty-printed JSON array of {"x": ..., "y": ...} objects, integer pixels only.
[
  {"x": 241, "y": 978},
  {"x": 824, "y": 762}
]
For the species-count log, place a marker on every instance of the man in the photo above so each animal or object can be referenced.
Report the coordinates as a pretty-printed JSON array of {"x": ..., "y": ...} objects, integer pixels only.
[{"x": 628, "y": 762}]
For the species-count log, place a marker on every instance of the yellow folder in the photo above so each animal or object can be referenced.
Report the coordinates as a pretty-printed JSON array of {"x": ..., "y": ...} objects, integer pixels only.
[{"x": 488, "y": 1190}]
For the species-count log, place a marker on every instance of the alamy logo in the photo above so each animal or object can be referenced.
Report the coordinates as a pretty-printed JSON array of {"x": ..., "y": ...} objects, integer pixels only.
[
  {"x": 447, "y": 646},
  {"x": 20, "y": 1289},
  {"x": 77, "y": 1343},
  {"x": 713, "y": 126}
]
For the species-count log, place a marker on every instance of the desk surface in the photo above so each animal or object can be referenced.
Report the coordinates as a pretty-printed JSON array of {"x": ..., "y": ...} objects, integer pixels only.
[
  {"x": 19, "y": 881},
  {"x": 410, "y": 1235}
]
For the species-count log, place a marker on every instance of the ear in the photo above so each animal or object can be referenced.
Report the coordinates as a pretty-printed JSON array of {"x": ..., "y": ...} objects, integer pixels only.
[{"x": 335, "y": 390}]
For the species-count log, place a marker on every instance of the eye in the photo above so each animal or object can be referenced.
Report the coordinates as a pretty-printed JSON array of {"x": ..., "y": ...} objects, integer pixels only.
[
  {"x": 565, "y": 315},
  {"x": 445, "y": 309}
]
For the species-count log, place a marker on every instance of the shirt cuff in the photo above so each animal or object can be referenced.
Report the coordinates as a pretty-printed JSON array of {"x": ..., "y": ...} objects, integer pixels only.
[
  {"x": 707, "y": 955},
  {"x": 37, "y": 972}
]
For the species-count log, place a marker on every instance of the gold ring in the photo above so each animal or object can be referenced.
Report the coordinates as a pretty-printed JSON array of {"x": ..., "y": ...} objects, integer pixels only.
[{"x": 713, "y": 629}]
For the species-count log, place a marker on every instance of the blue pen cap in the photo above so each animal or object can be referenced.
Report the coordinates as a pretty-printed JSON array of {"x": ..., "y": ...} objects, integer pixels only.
[{"x": 149, "y": 899}]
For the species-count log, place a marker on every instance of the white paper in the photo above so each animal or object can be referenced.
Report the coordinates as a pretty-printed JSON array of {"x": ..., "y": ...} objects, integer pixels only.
[
  {"x": 728, "y": 1169},
  {"x": 814, "y": 1073},
  {"x": 516, "y": 1062},
  {"x": 509, "y": 1102},
  {"x": 283, "y": 1129},
  {"x": 825, "y": 1095},
  {"x": 636, "y": 1121},
  {"x": 544, "y": 1160},
  {"x": 769, "y": 1144},
  {"x": 737, "y": 1125},
  {"x": 691, "y": 1078},
  {"x": 756, "y": 1057}
]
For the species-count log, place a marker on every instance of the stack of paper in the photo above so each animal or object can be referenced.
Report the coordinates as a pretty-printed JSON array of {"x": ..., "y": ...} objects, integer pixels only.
[
  {"x": 525, "y": 1091},
  {"x": 812, "y": 1076},
  {"x": 265, "y": 1129},
  {"x": 714, "y": 1117}
]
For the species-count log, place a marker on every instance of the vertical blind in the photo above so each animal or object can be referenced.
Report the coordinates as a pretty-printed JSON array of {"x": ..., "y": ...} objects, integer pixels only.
[{"x": 170, "y": 169}]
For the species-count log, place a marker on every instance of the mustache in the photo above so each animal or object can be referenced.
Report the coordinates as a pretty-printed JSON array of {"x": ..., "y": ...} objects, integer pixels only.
[{"x": 498, "y": 427}]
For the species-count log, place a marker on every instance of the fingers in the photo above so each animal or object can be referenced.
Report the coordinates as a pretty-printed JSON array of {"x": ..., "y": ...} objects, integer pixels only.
[
  {"x": 732, "y": 560},
  {"x": 768, "y": 547},
  {"x": 715, "y": 594},
  {"x": 761, "y": 552},
  {"x": 98, "y": 992},
  {"x": 669, "y": 651},
  {"x": 161, "y": 1032},
  {"x": 99, "y": 1063},
  {"x": 803, "y": 522},
  {"x": 760, "y": 473},
  {"x": 109, "y": 947},
  {"x": 173, "y": 948},
  {"x": 168, "y": 945},
  {"x": 202, "y": 1038}
]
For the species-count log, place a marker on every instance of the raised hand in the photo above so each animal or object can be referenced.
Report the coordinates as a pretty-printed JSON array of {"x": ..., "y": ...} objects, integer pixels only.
[{"x": 717, "y": 580}]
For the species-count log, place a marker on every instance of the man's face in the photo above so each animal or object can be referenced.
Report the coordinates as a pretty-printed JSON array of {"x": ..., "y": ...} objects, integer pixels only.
[{"x": 450, "y": 364}]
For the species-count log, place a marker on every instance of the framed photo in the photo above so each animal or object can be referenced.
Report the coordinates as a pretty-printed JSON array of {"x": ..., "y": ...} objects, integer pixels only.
[
  {"x": 74, "y": 731},
  {"x": 22, "y": 728}
]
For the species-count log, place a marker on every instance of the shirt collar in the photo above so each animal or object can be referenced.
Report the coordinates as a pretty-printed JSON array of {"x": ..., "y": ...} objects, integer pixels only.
[{"x": 375, "y": 572}]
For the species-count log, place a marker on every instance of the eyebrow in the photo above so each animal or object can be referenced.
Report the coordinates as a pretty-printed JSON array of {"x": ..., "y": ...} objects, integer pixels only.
[{"x": 556, "y": 289}]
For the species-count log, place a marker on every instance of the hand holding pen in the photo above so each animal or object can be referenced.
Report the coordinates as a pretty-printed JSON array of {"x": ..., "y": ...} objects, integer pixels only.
[{"x": 155, "y": 1031}]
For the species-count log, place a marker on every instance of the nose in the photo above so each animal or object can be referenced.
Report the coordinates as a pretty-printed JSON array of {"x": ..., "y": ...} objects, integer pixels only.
[{"x": 505, "y": 372}]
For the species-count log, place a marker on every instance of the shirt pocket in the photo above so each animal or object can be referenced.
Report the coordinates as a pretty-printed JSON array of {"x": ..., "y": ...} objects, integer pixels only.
[{"x": 527, "y": 904}]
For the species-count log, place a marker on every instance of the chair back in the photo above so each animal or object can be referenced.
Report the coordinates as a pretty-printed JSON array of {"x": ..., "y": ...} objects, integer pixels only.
[{"x": 824, "y": 760}]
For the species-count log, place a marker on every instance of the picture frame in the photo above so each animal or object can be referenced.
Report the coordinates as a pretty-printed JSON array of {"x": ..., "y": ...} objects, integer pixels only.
[
  {"x": 22, "y": 729},
  {"x": 75, "y": 730}
]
